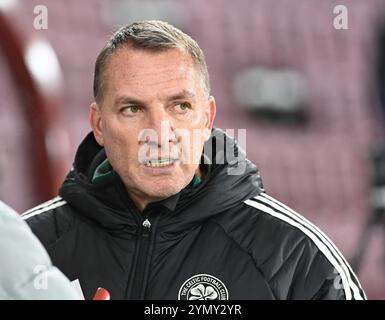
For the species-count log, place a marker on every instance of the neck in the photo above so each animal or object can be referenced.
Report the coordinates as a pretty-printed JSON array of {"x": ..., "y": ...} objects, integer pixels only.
[{"x": 141, "y": 201}]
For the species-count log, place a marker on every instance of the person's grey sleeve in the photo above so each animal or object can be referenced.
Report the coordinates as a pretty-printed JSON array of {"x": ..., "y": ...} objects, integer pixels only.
[{"x": 26, "y": 269}]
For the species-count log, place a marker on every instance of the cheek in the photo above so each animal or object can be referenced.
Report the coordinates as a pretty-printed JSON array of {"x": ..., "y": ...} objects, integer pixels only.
[
  {"x": 117, "y": 133},
  {"x": 197, "y": 119},
  {"x": 191, "y": 147},
  {"x": 121, "y": 143}
]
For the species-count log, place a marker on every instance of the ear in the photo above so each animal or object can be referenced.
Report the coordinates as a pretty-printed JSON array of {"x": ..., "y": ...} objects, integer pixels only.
[
  {"x": 210, "y": 115},
  {"x": 96, "y": 123}
]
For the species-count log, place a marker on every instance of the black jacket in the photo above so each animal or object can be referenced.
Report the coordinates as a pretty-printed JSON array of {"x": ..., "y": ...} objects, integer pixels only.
[{"x": 223, "y": 239}]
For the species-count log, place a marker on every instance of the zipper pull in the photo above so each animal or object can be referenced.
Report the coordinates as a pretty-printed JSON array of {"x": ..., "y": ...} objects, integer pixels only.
[{"x": 146, "y": 224}]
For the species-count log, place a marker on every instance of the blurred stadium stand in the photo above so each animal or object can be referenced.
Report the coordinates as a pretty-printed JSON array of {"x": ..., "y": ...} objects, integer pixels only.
[{"x": 320, "y": 169}]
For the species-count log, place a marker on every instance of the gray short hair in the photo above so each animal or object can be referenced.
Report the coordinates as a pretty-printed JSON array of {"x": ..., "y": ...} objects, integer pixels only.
[{"x": 153, "y": 35}]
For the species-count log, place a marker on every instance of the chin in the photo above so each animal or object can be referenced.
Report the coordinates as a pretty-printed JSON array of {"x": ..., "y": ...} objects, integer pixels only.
[{"x": 164, "y": 190}]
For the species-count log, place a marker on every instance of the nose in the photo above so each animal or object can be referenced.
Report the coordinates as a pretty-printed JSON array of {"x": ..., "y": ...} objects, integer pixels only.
[
  {"x": 159, "y": 131},
  {"x": 161, "y": 123}
]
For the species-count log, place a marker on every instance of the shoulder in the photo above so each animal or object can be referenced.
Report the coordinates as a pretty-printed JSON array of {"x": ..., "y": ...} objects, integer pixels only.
[
  {"x": 285, "y": 245},
  {"x": 50, "y": 220},
  {"x": 25, "y": 263}
]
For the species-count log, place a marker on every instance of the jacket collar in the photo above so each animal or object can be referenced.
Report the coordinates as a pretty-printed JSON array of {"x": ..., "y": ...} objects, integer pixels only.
[{"x": 110, "y": 206}]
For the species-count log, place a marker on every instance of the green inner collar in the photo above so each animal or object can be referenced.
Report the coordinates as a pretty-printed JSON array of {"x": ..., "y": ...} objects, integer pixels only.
[
  {"x": 196, "y": 181},
  {"x": 104, "y": 173}
]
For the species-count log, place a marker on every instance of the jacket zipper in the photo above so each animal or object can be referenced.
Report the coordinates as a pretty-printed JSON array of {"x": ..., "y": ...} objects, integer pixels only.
[{"x": 143, "y": 246}]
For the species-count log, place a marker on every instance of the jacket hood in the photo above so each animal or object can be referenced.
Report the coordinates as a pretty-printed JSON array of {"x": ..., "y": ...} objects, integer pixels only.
[{"x": 231, "y": 178}]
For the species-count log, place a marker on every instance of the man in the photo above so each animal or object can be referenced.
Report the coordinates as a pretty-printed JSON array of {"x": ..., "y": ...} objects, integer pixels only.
[
  {"x": 147, "y": 214},
  {"x": 26, "y": 269}
]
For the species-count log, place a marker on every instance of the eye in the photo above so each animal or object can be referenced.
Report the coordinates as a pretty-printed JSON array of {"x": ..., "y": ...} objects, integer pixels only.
[
  {"x": 182, "y": 107},
  {"x": 130, "y": 110}
]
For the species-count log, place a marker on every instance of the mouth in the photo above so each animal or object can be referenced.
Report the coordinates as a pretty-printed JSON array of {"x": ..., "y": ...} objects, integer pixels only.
[{"x": 157, "y": 163}]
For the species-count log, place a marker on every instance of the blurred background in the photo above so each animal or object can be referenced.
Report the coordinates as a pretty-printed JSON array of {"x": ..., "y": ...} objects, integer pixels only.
[{"x": 304, "y": 77}]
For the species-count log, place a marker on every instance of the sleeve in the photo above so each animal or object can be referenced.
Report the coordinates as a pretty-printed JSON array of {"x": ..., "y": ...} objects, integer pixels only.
[
  {"x": 324, "y": 275},
  {"x": 27, "y": 271}
]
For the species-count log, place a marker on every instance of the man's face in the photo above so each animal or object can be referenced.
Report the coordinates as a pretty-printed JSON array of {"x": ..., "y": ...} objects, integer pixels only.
[{"x": 153, "y": 121}]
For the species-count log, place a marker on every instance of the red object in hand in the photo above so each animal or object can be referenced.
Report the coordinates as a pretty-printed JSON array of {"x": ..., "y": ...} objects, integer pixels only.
[{"x": 102, "y": 294}]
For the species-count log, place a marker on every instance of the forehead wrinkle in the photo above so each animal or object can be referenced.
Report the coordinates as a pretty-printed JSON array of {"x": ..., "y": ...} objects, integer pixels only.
[
  {"x": 154, "y": 79},
  {"x": 127, "y": 76},
  {"x": 164, "y": 86},
  {"x": 169, "y": 73}
]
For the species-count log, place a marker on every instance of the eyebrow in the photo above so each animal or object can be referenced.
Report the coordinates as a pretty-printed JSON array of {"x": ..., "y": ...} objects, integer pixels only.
[
  {"x": 185, "y": 94},
  {"x": 124, "y": 99}
]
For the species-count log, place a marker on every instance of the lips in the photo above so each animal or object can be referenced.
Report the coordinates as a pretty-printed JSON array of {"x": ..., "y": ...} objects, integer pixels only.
[{"x": 163, "y": 162}]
